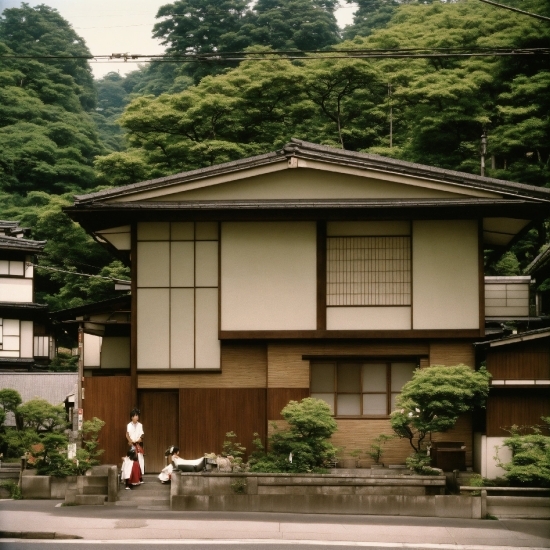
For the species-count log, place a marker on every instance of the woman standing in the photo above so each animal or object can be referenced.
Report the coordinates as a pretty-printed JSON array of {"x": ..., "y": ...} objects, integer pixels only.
[{"x": 134, "y": 435}]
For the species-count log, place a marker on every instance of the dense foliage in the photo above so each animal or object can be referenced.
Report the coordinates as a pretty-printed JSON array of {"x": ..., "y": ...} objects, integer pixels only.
[
  {"x": 433, "y": 401},
  {"x": 530, "y": 464},
  {"x": 41, "y": 435},
  {"x": 61, "y": 133},
  {"x": 304, "y": 446}
]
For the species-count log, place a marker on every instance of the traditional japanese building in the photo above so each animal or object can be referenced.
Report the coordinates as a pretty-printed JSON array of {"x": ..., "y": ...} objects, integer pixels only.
[{"x": 309, "y": 271}]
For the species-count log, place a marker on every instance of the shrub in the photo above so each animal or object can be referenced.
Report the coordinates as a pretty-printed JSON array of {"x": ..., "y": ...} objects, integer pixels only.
[
  {"x": 304, "y": 446},
  {"x": 530, "y": 465}
]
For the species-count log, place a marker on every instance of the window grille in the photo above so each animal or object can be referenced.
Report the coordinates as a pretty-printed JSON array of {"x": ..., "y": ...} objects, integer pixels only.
[{"x": 368, "y": 271}]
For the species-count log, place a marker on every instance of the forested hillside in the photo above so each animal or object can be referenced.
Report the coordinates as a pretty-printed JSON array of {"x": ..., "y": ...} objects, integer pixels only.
[{"x": 62, "y": 133}]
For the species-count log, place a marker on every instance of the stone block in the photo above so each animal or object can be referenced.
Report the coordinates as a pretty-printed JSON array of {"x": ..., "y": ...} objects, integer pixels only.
[
  {"x": 90, "y": 500},
  {"x": 338, "y": 491},
  {"x": 195, "y": 503},
  {"x": 112, "y": 484},
  {"x": 101, "y": 470},
  {"x": 267, "y": 490},
  {"x": 36, "y": 487},
  {"x": 219, "y": 485},
  {"x": 59, "y": 486},
  {"x": 252, "y": 482},
  {"x": 191, "y": 484},
  {"x": 453, "y": 506},
  {"x": 70, "y": 495},
  {"x": 297, "y": 490}
]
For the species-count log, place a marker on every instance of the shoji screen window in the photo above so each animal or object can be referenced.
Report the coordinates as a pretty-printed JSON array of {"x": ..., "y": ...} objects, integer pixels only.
[
  {"x": 360, "y": 389},
  {"x": 177, "y": 282}
]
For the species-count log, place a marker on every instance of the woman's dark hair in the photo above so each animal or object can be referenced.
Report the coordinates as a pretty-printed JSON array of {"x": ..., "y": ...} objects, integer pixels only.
[
  {"x": 171, "y": 450},
  {"x": 134, "y": 412}
]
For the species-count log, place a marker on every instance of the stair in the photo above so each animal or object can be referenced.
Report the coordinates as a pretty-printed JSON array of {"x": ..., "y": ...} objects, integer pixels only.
[{"x": 152, "y": 495}]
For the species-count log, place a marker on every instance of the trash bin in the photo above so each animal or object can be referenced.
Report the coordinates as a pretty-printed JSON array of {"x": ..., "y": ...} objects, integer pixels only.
[{"x": 448, "y": 455}]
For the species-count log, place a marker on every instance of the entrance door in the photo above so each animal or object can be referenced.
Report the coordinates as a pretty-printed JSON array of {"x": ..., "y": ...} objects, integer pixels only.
[{"x": 159, "y": 416}]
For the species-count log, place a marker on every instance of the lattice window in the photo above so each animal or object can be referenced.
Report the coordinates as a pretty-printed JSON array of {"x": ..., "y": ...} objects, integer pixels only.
[{"x": 368, "y": 271}]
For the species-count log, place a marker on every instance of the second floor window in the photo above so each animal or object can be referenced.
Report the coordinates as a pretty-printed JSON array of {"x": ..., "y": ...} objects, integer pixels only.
[{"x": 369, "y": 271}]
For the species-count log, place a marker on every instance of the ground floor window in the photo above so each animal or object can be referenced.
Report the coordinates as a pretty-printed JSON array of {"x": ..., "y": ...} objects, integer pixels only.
[{"x": 366, "y": 388}]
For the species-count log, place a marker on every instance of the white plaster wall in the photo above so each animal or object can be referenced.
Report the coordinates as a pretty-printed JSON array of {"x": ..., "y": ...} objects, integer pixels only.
[
  {"x": 15, "y": 290},
  {"x": 153, "y": 328},
  {"x": 268, "y": 276},
  {"x": 27, "y": 339},
  {"x": 153, "y": 231},
  {"x": 182, "y": 264},
  {"x": 92, "y": 350},
  {"x": 115, "y": 352},
  {"x": 364, "y": 229},
  {"x": 445, "y": 274},
  {"x": 368, "y": 318},
  {"x": 315, "y": 184},
  {"x": 488, "y": 449}
]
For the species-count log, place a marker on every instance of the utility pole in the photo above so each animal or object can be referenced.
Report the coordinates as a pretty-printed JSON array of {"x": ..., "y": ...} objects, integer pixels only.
[
  {"x": 483, "y": 152},
  {"x": 391, "y": 115}
]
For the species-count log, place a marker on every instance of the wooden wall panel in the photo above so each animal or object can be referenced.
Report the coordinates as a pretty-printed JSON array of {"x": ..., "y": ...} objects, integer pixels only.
[
  {"x": 159, "y": 416},
  {"x": 286, "y": 369},
  {"x": 243, "y": 366},
  {"x": 278, "y": 398},
  {"x": 452, "y": 353},
  {"x": 110, "y": 399},
  {"x": 206, "y": 415},
  {"x": 522, "y": 407},
  {"x": 526, "y": 360}
]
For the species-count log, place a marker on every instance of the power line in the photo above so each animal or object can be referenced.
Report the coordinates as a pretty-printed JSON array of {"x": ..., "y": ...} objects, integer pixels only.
[
  {"x": 528, "y": 13},
  {"x": 28, "y": 264},
  {"x": 302, "y": 55}
]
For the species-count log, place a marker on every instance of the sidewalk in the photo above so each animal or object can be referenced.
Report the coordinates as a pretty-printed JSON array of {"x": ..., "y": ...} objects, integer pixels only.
[{"x": 43, "y": 519}]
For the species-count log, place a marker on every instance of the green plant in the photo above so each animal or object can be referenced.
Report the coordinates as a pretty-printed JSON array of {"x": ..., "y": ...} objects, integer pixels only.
[
  {"x": 12, "y": 487},
  {"x": 530, "y": 464},
  {"x": 87, "y": 456},
  {"x": 432, "y": 402},
  {"x": 305, "y": 445},
  {"x": 64, "y": 362},
  {"x": 239, "y": 486},
  {"x": 376, "y": 450},
  {"x": 419, "y": 463},
  {"x": 232, "y": 448}
]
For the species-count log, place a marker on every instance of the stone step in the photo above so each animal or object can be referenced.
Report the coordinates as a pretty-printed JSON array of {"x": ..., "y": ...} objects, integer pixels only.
[
  {"x": 90, "y": 500},
  {"x": 95, "y": 490},
  {"x": 143, "y": 502}
]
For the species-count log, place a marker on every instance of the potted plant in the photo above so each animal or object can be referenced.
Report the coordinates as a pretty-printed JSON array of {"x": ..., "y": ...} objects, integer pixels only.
[{"x": 376, "y": 450}]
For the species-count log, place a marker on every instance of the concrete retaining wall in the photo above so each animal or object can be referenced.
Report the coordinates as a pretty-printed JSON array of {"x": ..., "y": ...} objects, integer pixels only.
[{"x": 321, "y": 494}]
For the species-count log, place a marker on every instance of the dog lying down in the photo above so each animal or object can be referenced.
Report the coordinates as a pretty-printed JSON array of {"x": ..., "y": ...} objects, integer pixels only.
[{"x": 196, "y": 465}]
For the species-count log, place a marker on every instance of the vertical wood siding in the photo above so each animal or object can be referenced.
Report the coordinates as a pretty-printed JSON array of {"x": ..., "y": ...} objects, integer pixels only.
[
  {"x": 110, "y": 399},
  {"x": 207, "y": 414},
  {"x": 278, "y": 398},
  {"x": 160, "y": 419},
  {"x": 522, "y": 407},
  {"x": 526, "y": 360}
]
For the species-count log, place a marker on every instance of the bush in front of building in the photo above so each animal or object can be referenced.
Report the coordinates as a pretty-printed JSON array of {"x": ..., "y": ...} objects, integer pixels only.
[
  {"x": 432, "y": 402},
  {"x": 530, "y": 464},
  {"x": 303, "y": 447}
]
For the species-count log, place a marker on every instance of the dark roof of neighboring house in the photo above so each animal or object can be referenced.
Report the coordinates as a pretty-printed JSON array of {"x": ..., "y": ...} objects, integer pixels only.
[
  {"x": 517, "y": 338},
  {"x": 54, "y": 387},
  {"x": 21, "y": 245},
  {"x": 96, "y": 307},
  {"x": 540, "y": 263},
  {"x": 322, "y": 153}
]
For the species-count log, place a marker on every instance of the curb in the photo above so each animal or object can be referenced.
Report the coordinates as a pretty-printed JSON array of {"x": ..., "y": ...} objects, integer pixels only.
[{"x": 35, "y": 535}]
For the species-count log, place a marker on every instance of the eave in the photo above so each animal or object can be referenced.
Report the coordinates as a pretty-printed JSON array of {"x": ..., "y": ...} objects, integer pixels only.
[{"x": 99, "y": 215}]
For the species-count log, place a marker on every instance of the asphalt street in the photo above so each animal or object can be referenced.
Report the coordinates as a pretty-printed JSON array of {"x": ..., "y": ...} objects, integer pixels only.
[{"x": 122, "y": 527}]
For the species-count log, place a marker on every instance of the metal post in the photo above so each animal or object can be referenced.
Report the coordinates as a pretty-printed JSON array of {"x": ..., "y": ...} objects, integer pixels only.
[{"x": 483, "y": 152}]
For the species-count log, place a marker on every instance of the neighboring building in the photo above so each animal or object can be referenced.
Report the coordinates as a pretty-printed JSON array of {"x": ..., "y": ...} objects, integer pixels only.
[
  {"x": 57, "y": 388},
  {"x": 539, "y": 268},
  {"x": 311, "y": 271},
  {"x": 519, "y": 393},
  {"x": 25, "y": 342}
]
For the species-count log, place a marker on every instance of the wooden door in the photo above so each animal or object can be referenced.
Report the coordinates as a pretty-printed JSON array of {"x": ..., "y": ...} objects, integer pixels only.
[
  {"x": 109, "y": 399},
  {"x": 160, "y": 419}
]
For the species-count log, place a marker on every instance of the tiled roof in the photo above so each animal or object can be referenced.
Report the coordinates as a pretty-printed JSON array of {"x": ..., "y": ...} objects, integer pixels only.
[
  {"x": 53, "y": 387},
  {"x": 23, "y": 245},
  {"x": 321, "y": 153}
]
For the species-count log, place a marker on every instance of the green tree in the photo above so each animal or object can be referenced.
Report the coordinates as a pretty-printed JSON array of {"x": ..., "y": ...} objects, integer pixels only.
[
  {"x": 432, "y": 402},
  {"x": 47, "y": 137},
  {"x": 305, "y": 446}
]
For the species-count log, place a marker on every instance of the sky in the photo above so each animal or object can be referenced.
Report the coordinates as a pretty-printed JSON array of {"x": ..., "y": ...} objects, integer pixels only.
[{"x": 122, "y": 26}]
